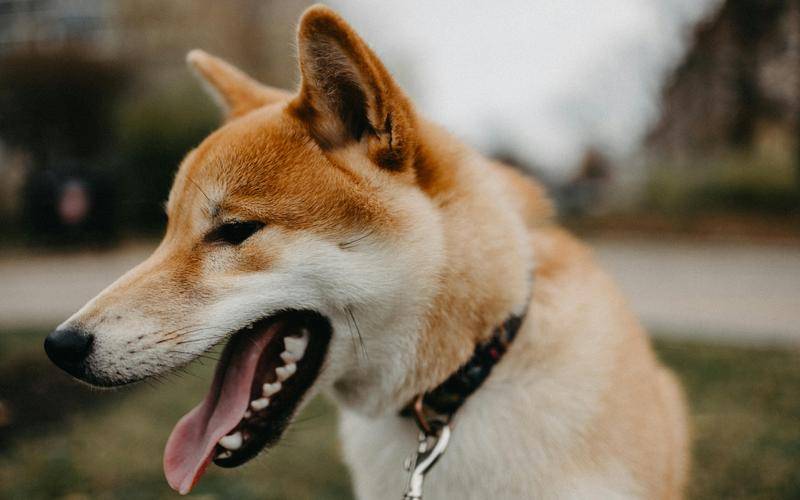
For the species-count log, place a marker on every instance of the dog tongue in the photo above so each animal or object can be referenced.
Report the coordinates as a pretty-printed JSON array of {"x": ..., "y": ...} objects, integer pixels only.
[{"x": 191, "y": 445}]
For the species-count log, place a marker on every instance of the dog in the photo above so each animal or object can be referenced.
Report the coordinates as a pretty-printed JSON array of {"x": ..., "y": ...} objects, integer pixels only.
[{"x": 340, "y": 243}]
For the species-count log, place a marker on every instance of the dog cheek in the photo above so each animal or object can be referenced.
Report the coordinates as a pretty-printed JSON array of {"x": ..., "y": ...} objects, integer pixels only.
[{"x": 254, "y": 259}]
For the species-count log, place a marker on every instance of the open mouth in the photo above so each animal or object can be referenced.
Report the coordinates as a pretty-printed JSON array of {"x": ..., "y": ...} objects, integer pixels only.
[{"x": 262, "y": 376}]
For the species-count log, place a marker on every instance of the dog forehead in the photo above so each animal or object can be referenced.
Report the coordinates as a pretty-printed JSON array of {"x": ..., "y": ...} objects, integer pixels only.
[
  {"x": 257, "y": 151},
  {"x": 267, "y": 162}
]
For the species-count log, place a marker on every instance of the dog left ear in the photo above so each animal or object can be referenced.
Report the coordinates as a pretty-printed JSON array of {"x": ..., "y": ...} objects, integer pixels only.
[
  {"x": 235, "y": 92},
  {"x": 347, "y": 95}
]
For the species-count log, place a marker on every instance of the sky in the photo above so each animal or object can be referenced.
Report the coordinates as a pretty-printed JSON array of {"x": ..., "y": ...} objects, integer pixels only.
[{"x": 545, "y": 78}]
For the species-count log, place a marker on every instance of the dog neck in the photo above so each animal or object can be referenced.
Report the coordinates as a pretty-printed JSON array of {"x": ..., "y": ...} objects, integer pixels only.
[
  {"x": 486, "y": 276},
  {"x": 441, "y": 403},
  {"x": 481, "y": 277}
]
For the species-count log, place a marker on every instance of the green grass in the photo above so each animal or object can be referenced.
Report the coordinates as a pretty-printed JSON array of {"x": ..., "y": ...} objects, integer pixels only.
[
  {"x": 745, "y": 402},
  {"x": 746, "y": 419}
]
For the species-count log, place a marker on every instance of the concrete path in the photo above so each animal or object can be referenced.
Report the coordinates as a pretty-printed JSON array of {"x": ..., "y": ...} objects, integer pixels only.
[
  {"x": 43, "y": 289},
  {"x": 736, "y": 293}
]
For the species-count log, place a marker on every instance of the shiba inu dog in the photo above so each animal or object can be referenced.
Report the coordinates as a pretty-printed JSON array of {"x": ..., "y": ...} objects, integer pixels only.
[{"x": 339, "y": 242}]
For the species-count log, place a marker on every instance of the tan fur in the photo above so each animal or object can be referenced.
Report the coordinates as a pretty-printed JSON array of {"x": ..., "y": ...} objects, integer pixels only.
[
  {"x": 237, "y": 92},
  {"x": 579, "y": 407},
  {"x": 641, "y": 393}
]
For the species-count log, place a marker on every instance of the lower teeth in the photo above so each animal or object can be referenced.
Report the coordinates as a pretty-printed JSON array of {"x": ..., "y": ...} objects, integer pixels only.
[
  {"x": 232, "y": 441},
  {"x": 259, "y": 404},
  {"x": 295, "y": 350}
]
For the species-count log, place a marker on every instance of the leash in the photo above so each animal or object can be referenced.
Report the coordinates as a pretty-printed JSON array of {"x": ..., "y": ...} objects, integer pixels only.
[{"x": 434, "y": 410}]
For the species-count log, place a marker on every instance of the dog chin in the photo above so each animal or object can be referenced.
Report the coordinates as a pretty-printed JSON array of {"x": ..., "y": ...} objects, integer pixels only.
[{"x": 263, "y": 376}]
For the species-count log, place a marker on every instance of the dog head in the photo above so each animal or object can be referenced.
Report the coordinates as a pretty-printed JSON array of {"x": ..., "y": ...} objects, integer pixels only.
[{"x": 297, "y": 233}]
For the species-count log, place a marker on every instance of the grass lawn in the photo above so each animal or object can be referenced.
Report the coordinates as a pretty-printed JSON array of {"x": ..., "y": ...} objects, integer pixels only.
[
  {"x": 746, "y": 418},
  {"x": 61, "y": 440}
]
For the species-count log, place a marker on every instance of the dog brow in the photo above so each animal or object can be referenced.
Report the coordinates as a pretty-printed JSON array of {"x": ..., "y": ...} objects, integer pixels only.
[
  {"x": 214, "y": 206},
  {"x": 215, "y": 210}
]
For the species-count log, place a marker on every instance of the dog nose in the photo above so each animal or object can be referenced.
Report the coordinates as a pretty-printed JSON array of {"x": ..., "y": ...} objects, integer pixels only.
[{"x": 67, "y": 348}]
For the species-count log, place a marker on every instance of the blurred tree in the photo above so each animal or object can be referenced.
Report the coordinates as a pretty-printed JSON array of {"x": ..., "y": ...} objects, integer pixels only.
[
  {"x": 737, "y": 92},
  {"x": 739, "y": 84},
  {"x": 155, "y": 132},
  {"x": 58, "y": 105}
]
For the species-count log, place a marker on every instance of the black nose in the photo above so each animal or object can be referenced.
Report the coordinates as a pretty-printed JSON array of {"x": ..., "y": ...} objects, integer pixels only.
[{"x": 68, "y": 348}]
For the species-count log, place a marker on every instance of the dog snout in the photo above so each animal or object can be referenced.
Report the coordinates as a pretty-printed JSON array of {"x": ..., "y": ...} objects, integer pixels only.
[{"x": 68, "y": 348}]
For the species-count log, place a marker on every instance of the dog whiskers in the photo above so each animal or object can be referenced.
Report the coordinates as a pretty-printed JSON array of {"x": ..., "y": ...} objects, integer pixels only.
[
  {"x": 210, "y": 212},
  {"x": 186, "y": 331},
  {"x": 202, "y": 339},
  {"x": 176, "y": 333},
  {"x": 358, "y": 330},
  {"x": 346, "y": 245},
  {"x": 352, "y": 336},
  {"x": 195, "y": 354}
]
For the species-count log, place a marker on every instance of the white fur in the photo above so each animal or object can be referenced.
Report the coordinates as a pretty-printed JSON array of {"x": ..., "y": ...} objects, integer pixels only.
[{"x": 515, "y": 438}]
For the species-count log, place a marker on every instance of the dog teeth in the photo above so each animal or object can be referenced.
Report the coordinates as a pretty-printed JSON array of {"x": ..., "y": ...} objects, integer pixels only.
[
  {"x": 270, "y": 389},
  {"x": 259, "y": 404},
  {"x": 224, "y": 454},
  {"x": 296, "y": 346},
  {"x": 232, "y": 441},
  {"x": 285, "y": 371},
  {"x": 289, "y": 357}
]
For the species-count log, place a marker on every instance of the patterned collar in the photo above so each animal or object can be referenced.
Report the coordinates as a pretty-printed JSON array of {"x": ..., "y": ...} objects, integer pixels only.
[{"x": 440, "y": 404}]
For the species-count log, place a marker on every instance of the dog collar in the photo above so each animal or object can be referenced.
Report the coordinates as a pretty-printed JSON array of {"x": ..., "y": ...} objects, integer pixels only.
[
  {"x": 434, "y": 409},
  {"x": 442, "y": 402}
]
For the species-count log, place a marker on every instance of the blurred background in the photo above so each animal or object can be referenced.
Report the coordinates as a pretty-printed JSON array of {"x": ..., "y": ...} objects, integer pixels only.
[{"x": 668, "y": 132}]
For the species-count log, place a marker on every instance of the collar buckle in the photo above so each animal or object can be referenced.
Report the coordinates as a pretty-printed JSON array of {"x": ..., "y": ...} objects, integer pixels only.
[{"x": 426, "y": 425}]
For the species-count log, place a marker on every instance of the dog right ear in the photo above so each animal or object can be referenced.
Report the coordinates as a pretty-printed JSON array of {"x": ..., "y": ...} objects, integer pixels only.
[
  {"x": 347, "y": 96},
  {"x": 235, "y": 92}
]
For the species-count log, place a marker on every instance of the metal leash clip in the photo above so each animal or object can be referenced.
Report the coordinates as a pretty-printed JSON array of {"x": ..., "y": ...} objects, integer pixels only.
[{"x": 433, "y": 439}]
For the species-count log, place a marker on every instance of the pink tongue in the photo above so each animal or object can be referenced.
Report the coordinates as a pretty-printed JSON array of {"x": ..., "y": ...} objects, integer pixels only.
[{"x": 191, "y": 445}]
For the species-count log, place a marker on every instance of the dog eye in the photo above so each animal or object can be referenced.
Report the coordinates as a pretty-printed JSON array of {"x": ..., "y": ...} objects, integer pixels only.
[{"x": 234, "y": 233}]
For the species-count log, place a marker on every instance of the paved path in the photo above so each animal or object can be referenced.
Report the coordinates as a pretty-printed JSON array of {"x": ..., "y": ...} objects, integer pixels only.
[
  {"x": 42, "y": 290},
  {"x": 738, "y": 293}
]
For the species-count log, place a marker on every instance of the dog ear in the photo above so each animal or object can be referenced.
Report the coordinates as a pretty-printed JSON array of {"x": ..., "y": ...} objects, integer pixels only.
[
  {"x": 235, "y": 92},
  {"x": 347, "y": 94}
]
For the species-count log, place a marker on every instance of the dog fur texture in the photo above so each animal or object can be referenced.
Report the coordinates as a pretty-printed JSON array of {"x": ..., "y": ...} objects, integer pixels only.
[{"x": 373, "y": 211}]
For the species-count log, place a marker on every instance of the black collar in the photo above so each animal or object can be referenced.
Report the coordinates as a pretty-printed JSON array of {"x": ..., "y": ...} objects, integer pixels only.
[{"x": 440, "y": 403}]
